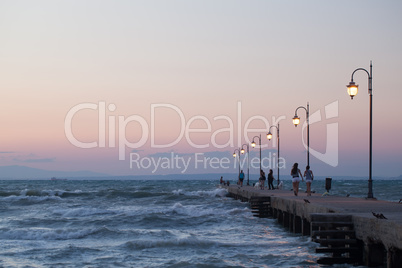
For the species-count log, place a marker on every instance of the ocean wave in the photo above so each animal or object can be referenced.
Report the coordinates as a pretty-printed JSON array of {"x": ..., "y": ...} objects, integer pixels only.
[
  {"x": 35, "y": 233},
  {"x": 200, "y": 210},
  {"x": 218, "y": 192},
  {"x": 30, "y": 199},
  {"x": 166, "y": 243},
  {"x": 194, "y": 241},
  {"x": 38, "y": 195},
  {"x": 82, "y": 212},
  {"x": 8, "y": 193},
  {"x": 130, "y": 194},
  {"x": 45, "y": 192}
]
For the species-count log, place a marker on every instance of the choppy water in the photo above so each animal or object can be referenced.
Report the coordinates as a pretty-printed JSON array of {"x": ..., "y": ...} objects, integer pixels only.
[{"x": 148, "y": 224}]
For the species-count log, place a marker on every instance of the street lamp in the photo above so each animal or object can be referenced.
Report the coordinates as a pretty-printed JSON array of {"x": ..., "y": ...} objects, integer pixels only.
[
  {"x": 352, "y": 91},
  {"x": 269, "y": 137},
  {"x": 296, "y": 121},
  {"x": 248, "y": 161},
  {"x": 253, "y": 145},
  {"x": 234, "y": 155}
]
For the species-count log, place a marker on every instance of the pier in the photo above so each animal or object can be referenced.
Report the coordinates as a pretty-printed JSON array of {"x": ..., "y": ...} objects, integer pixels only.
[{"x": 347, "y": 229}]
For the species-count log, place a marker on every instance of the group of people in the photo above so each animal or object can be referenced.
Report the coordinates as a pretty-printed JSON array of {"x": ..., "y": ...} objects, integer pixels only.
[
  {"x": 270, "y": 180},
  {"x": 295, "y": 172},
  {"x": 261, "y": 179},
  {"x": 308, "y": 174}
]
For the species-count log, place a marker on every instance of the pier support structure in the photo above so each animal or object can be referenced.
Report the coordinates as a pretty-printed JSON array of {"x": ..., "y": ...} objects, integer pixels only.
[{"x": 348, "y": 238}]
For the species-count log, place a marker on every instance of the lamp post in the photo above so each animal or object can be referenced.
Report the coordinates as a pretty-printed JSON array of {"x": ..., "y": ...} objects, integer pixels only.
[
  {"x": 253, "y": 145},
  {"x": 296, "y": 121},
  {"x": 234, "y": 155},
  {"x": 248, "y": 161},
  {"x": 269, "y": 137},
  {"x": 352, "y": 91}
]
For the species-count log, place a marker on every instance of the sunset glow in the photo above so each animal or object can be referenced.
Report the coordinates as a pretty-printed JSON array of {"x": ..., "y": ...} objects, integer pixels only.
[{"x": 87, "y": 84}]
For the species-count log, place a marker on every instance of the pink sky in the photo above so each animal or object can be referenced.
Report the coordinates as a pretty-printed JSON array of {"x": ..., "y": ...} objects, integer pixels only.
[{"x": 209, "y": 62}]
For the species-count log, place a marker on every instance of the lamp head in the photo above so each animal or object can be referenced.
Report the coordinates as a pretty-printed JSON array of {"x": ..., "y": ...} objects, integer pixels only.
[
  {"x": 352, "y": 89},
  {"x": 242, "y": 150},
  {"x": 296, "y": 120},
  {"x": 253, "y": 144},
  {"x": 269, "y": 135},
  {"x": 234, "y": 154}
]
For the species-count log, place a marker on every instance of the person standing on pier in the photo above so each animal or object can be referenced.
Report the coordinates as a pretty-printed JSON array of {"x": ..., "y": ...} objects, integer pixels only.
[
  {"x": 308, "y": 174},
  {"x": 262, "y": 179},
  {"x": 241, "y": 178},
  {"x": 295, "y": 178},
  {"x": 271, "y": 179}
]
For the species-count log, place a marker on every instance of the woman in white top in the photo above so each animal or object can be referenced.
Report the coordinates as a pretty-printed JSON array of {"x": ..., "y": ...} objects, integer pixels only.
[
  {"x": 308, "y": 174},
  {"x": 295, "y": 172}
]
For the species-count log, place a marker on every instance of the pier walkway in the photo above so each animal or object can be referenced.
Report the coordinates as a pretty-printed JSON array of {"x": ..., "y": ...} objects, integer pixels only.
[{"x": 379, "y": 240}]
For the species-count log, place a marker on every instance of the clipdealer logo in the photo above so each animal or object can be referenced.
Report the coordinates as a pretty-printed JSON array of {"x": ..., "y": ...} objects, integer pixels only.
[
  {"x": 148, "y": 133},
  {"x": 107, "y": 137},
  {"x": 330, "y": 156}
]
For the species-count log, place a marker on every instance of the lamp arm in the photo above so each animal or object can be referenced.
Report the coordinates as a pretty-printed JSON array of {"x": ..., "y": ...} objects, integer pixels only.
[
  {"x": 299, "y": 108},
  {"x": 259, "y": 138},
  {"x": 360, "y": 69},
  {"x": 272, "y": 127}
]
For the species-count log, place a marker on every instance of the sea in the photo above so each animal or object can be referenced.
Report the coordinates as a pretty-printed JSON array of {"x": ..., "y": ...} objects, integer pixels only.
[{"x": 151, "y": 223}]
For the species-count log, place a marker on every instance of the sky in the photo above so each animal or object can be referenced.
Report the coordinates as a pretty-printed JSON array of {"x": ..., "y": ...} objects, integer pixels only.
[{"x": 165, "y": 87}]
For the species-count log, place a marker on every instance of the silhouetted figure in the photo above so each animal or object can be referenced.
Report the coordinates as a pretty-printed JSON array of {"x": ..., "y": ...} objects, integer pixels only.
[
  {"x": 241, "y": 178},
  {"x": 262, "y": 179},
  {"x": 271, "y": 179},
  {"x": 308, "y": 175}
]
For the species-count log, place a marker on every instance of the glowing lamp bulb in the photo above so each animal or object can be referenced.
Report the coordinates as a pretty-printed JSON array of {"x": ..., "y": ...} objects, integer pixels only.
[
  {"x": 352, "y": 89},
  {"x": 269, "y": 135},
  {"x": 296, "y": 120}
]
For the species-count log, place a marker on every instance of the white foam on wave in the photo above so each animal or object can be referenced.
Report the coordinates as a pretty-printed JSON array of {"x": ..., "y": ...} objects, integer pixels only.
[
  {"x": 192, "y": 210},
  {"x": 81, "y": 212},
  {"x": 34, "y": 199},
  {"x": 178, "y": 192},
  {"x": 238, "y": 211},
  {"x": 45, "y": 192},
  {"x": 37, "y": 195},
  {"x": 199, "y": 210},
  {"x": 218, "y": 192}
]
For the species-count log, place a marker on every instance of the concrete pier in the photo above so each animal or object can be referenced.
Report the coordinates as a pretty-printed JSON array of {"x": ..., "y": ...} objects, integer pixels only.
[{"x": 380, "y": 240}]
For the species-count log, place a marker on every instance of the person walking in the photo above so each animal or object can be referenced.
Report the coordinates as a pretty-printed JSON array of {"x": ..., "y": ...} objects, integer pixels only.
[
  {"x": 308, "y": 174},
  {"x": 295, "y": 172},
  {"x": 271, "y": 179}
]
